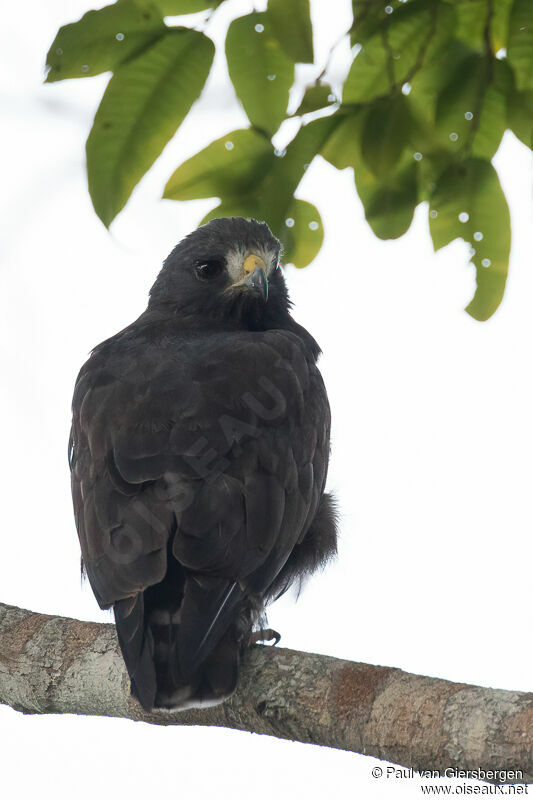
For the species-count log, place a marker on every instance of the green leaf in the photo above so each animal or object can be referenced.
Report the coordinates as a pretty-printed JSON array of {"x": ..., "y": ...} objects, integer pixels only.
[
  {"x": 291, "y": 23},
  {"x": 317, "y": 96},
  {"x": 144, "y": 104},
  {"x": 102, "y": 40},
  {"x": 520, "y": 49},
  {"x": 471, "y": 19},
  {"x": 244, "y": 205},
  {"x": 287, "y": 171},
  {"x": 471, "y": 110},
  {"x": 500, "y": 24},
  {"x": 369, "y": 76},
  {"x": 343, "y": 147},
  {"x": 520, "y": 116},
  {"x": 429, "y": 82},
  {"x": 174, "y": 8},
  {"x": 231, "y": 165},
  {"x": 369, "y": 17},
  {"x": 477, "y": 19},
  {"x": 389, "y": 203},
  {"x": 471, "y": 191},
  {"x": 303, "y": 234},
  {"x": 259, "y": 69},
  {"x": 396, "y": 52},
  {"x": 385, "y": 134}
]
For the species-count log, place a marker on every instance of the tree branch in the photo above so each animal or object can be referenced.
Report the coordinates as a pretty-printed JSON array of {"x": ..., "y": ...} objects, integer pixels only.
[{"x": 58, "y": 665}]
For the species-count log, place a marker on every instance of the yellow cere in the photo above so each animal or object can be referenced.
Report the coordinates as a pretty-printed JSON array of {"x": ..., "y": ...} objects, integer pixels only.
[{"x": 251, "y": 262}]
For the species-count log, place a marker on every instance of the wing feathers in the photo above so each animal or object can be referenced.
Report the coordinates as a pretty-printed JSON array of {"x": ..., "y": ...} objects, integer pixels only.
[{"x": 208, "y": 453}]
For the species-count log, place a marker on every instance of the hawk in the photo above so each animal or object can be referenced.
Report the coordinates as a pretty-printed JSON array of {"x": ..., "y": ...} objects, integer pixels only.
[{"x": 198, "y": 453}]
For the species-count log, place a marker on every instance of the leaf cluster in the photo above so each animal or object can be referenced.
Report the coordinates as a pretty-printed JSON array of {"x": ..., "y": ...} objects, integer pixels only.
[{"x": 430, "y": 91}]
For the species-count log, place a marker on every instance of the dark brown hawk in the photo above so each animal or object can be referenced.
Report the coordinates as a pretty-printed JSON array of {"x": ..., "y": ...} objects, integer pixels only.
[{"x": 199, "y": 453}]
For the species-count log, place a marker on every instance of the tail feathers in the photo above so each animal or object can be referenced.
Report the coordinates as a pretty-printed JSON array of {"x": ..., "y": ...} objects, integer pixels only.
[
  {"x": 137, "y": 645},
  {"x": 183, "y": 651},
  {"x": 209, "y": 606},
  {"x": 214, "y": 681}
]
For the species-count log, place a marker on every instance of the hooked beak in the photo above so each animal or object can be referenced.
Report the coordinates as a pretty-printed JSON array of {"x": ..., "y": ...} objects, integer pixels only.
[
  {"x": 257, "y": 282},
  {"x": 255, "y": 275}
]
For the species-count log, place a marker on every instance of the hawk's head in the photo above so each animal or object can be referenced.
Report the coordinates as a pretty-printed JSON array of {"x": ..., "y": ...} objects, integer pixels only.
[{"x": 228, "y": 268}]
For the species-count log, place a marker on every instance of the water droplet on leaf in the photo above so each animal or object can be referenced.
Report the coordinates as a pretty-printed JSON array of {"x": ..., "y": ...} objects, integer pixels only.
[
  {"x": 464, "y": 216},
  {"x": 289, "y": 222},
  {"x": 453, "y": 136},
  {"x": 406, "y": 88},
  {"x": 259, "y": 28},
  {"x": 433, "y": 213},
  {"x": 417, "y": 156},
  {"x": 85, "y": 68},
  {"x": 59, "y": 51},
  {"x": 314, "y": 225},
  {"x": 388, "y": 9},
  {"x": 271, "y": 77},
  {"x": 486, "y": 262},
  {"x": 478, "y": 236},
  {"x": 229, "y": 145},
  {"x": 119, "y": 37},
  {"x": 469, "y": 115}
]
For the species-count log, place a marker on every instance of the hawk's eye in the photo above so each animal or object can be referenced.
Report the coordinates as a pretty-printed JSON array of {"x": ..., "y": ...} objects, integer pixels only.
[{"x": 207, "y": 270}]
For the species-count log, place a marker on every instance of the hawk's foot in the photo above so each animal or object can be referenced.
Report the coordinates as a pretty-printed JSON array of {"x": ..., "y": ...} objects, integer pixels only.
[{"x": 264, "y": 635}]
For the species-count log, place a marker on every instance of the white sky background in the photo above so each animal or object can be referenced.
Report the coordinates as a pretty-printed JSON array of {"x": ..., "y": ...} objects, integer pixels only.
[{"x": 432, "y": 432}]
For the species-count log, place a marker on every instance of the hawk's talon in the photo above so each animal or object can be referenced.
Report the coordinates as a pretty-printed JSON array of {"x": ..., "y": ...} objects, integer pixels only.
[{"x": 264, "y": 635}]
